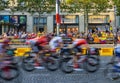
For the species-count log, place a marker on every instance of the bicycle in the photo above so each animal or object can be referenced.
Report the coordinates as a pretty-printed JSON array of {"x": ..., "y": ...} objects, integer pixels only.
[
  {"x": 110, "y": 72},
  {"x": 87, "y": 62},
  {"x": 46, "y": 59},
  {"x": 8, "y": 66}
]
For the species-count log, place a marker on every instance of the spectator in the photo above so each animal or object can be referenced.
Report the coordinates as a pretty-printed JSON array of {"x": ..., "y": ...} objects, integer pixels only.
[{"x": 96, "y": 39}]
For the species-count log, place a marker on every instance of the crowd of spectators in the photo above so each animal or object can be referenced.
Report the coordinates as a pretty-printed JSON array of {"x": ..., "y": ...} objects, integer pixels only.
[{"x": 96, "y": 37}]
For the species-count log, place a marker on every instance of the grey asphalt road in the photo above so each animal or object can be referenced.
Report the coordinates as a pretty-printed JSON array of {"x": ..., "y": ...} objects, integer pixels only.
[{"x": 45, "y": 76}]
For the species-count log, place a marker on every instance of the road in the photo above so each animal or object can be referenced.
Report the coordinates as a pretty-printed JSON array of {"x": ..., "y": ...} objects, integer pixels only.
[{"x": 45, "y": 76}]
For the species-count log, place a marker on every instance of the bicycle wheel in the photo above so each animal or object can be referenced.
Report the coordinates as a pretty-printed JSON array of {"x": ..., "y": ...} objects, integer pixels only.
[
  {"x": 110, "y": 73},
  {"x": 52, "y": 64},
  {"x": 91, "y": 64},
  {"x": 67, "y": 65},
  {"x": 9, "y": 73},
  {"x": 93, "y": 61},
  {"x": 28, "y": 63},
  {"x": 97, "y": 56}
]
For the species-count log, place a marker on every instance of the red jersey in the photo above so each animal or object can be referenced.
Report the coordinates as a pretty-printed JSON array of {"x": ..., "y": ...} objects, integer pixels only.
[
  {"x": 42, "y": 41},
  {"x": 79, "y": 42}
]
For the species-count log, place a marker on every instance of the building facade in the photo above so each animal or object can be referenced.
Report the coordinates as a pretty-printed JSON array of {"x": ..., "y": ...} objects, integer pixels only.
[{"x": 47, "y": 23}]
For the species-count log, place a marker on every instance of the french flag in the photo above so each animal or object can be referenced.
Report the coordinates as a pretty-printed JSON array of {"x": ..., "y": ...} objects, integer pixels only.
[{"x": 58, "y": 18}]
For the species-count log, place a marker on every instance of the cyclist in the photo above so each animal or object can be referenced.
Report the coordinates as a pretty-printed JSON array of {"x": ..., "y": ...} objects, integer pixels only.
[
  {"x": 56, "y": 42},
  {"x": 38, "y": 44},
  {"x": 116, "y": 67},
  {"x": 117, "y": 53},
  {"x": 77, "y": 44},
  {"x": 4, "y": 44},
  {"x": 3, "y": 48}
]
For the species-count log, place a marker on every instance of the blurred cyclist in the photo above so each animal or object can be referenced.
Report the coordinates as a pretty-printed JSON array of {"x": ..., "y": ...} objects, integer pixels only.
[
  {"x": 4, "y": 45},
  {"x": 56, "y": 42},
  {"x": 2, "y": 49},
  {"x": 117, "y": 54},
  {"x": 38, "y": 44},
  {"x": 77, "y": 44}
]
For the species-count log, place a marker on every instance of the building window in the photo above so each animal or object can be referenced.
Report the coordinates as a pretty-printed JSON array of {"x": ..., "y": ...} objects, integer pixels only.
[
  {"x": 99, "y": 19},
  {"x": 39, "y": 24},
  {"x": 68, "y": 19},
  {"x": 69, "y": 23},
  {"x": 100, "y": 23},
  {"x": 14, "y": 23}
]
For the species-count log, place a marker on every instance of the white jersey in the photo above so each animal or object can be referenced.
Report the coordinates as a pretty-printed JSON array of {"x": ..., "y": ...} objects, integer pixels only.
[{"x": 54, "y": 43}]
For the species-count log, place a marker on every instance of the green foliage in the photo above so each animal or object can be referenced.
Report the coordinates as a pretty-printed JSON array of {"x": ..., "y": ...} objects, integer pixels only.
[
  {"x": 117, "y": 4},
  {"x": 88, "y": 6},
  {"x": 39, "y": 6},
  {"x": 3, "y": 4},
  {"x": 94, "y": 6}
]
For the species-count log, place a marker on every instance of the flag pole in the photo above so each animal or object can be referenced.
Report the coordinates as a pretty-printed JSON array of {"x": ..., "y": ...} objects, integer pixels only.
[
  {"x": 57, "y": 17},
  {"x": 115, "y": 28}
]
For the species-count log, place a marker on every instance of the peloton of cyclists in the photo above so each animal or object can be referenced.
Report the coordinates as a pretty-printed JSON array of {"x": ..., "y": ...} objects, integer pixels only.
[{"x": 39, "y": 44}]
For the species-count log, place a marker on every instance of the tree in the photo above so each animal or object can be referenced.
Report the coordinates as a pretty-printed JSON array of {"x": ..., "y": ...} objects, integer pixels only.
[
  {"x": 33, "y": 6},
  {"x": 88, "y": 6},
  {"x": 3, "y": 4},
  {"x": 117, "y": 5}
]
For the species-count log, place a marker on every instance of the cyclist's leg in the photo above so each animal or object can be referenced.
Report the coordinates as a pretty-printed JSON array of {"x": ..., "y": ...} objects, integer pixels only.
[
  {"x": 76, "y": 57},
  {"x": 37, "y": 53},
  {"x": 118, "y": 63}
]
